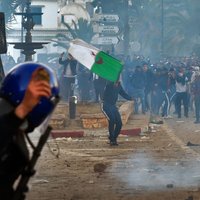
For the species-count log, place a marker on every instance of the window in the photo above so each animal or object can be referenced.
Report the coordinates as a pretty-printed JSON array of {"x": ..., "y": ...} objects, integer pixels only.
[{"x": 37, "y": 19}]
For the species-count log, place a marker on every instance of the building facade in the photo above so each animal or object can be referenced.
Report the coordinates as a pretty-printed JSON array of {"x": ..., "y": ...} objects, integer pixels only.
[{"x": 47, "y": 26}]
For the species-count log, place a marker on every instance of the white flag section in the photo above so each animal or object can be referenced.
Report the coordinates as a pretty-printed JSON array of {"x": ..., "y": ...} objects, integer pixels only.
[{"x": 95, "y": 60}]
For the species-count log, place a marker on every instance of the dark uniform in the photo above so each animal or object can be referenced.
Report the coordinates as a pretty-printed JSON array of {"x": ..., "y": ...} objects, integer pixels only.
[{"x": 14, "y": 154}]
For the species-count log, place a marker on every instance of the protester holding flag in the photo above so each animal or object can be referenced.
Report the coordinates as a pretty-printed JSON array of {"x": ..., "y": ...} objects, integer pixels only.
[
  {"x": 68, "y": 76},
  {"x": 108, "y": 68},
  {"x": 109, "y": 108}
]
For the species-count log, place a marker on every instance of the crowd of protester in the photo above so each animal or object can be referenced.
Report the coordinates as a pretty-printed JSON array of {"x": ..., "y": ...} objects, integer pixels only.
[{"x": 170, "y": 86}]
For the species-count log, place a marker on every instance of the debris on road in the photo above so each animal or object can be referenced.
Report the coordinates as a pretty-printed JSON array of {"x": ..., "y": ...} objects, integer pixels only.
[
  {"x": 99, "y": 167},
  {"x": 192, "y": 144}
]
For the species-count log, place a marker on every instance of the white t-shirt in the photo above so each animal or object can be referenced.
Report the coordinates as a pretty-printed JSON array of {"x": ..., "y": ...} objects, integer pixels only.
[
  {"x": 68, "y": 72},
  {"x": 180, "y": 87}
]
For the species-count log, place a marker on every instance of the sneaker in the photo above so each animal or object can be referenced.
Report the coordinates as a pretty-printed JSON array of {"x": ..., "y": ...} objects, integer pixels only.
[
  {"x": 113, "y": 143},
  {"x": 197, "y": 122},
  {"x": 168, "y": 117}
]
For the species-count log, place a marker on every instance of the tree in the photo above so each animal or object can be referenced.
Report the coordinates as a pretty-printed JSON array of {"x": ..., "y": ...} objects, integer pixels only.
[
  {"x": 146, "y": 27},
  {"x": 10, "y": 7},
  {"x": 82, "y": 30},
  {"x": 180, "y": 26}
]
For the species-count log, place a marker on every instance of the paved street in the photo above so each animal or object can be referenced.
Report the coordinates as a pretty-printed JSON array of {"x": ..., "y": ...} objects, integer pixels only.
[{"x": 157, "y": 165}]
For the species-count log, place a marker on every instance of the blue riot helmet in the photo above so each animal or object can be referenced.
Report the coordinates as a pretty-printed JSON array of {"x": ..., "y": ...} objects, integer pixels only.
[{"x": 14, "y": 86}]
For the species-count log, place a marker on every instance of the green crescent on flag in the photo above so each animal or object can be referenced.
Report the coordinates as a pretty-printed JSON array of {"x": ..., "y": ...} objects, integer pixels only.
[{"x": 95, "y": 60}]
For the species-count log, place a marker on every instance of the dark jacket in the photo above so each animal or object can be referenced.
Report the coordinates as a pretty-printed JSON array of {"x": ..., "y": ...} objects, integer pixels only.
[
  {"x": 148, "y": 79},
  {"x": 72, "y": 63},
  {"x": 14, "y": 154},
  {"x": 164, "y": 81},
  {"x": 111, "y": 93},
  {"x": 195, "y": 87},
  {"x": 138, "y": 80}
]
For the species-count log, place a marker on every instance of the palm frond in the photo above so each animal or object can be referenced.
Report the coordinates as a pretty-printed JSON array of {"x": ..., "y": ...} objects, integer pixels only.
[
  {"x": 70, "y": 30},
  {"x": 62, "y": 36}
]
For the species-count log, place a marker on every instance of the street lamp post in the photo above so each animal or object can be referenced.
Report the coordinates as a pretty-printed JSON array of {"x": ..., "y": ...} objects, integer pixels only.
[
  {"x": 126, "y": 28},
  {"x": 162, "y": 29},
  {"x": 28, "y": 46},
  {"x": 3, "y": 43}
]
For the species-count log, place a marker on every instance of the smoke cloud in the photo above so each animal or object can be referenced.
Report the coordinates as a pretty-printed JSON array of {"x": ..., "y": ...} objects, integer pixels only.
[{"x": 143, "y": 171}]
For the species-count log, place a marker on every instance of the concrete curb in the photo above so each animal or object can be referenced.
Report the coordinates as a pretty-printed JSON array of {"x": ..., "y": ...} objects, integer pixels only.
[
  {"x": 63, "y": 133},
  {"x": 82, "y": 133}
]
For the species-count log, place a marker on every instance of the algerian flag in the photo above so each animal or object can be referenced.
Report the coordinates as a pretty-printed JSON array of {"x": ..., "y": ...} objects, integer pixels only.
[{"x": 95, "y": 60}]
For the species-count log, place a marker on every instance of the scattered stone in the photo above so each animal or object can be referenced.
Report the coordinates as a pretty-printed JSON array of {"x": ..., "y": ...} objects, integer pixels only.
[
  {"x": 60, "y": 139},
  {"x": 40, "y": 181},
  {"x": 156, "y": 121},
  {"x": 91, "y": 182},
  {"x": 67, "y": 163},
  {"x": 191, "y": 144},
  {"x": 170, "y": 185},
  {"x": 169, "y": 145},
  {"x": 189, "y": 198},
  {"x": 145, "y": 138},
  {"x": 69, "y": 139},
  {"x": 145, "y": 129},
  {"x": 99, "y": 167}
]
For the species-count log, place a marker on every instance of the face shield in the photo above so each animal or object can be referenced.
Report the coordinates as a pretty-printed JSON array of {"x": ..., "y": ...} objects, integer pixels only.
[{"x": 13, "y": 90}]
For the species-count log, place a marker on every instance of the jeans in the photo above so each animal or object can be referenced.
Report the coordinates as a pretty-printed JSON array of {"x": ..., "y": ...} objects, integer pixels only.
[
  {"x": 166, "y": 102},
  {"x": 67, "y": 87},
  {"x": 159, "y": 98},
  {"x": 182, "y": 96},
  {"x": 138, "y": 94},
  {"x": 197, "y": 107},
  {"x": 114, "y": 120},
  {"x": 172, "y": 98}
]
